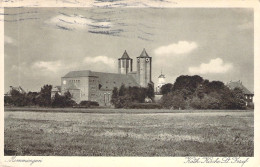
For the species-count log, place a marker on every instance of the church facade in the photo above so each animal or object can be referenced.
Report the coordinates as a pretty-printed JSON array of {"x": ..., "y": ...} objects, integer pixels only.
[{"x": 88, "y": 85}]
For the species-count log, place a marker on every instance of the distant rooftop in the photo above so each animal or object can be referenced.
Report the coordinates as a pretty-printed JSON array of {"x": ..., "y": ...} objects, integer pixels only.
[
  {"x": 238, "y": 84},
  {"x": 56, "y": 89}
]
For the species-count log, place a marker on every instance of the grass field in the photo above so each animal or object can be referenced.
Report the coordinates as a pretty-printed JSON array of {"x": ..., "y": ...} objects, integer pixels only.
[{"x": 116, "y": 133}]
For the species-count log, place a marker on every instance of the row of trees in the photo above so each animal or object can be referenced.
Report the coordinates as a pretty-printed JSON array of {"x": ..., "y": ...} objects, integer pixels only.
[
  {"x": 126, "y": 96},
  {"x": 188, "y": 92},
  {"x": 42, "y": 98},
  {"x": 194, "y": 92}
]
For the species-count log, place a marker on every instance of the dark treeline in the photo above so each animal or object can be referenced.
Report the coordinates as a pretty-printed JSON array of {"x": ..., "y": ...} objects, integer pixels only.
[
  {"x": 42, "y": 98},
  {"x": 193, "y": 92}
]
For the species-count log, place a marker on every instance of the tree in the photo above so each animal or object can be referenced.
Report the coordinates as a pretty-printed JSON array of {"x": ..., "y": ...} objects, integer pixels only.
[
  {"x": 189, "y": 83},
  {"x": 209, "y": 102},
  {"x": 200, "y": 91},
  {"x": 8, "y": 100},
  {"x": 136, "y": 94},
  {"x": 167, "y": 88},
  {"x": 240, "y": 101},
  {"x": 45, "y": 96},
  {"x": 114, "y": 95},
  {"x": 18, "y": 99},
  {"x": 126, "y": 96},
  {"x": 32, "y": 98},
  {"x": 63, "y": 101},
  {"x": 150, "y": 91},
  {"x": 122, "y": 90},
  {"x": 68, "y": 99},
  {"x": 173, "y": 100}
]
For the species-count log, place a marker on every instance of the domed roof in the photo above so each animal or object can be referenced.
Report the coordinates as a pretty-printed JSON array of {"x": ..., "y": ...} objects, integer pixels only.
[{"x": 161, "y": 76}]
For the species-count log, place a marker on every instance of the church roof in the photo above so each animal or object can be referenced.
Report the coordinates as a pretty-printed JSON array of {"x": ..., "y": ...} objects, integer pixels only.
[
  {"x": 144, "y": 54},
  {"x": 107, "y": 80},
  {"x": 111, "y": 80},
  {"x": 72, "y": 74},
  {"x": 238, "y": 84},
  {"x": 125, "y": 56}
]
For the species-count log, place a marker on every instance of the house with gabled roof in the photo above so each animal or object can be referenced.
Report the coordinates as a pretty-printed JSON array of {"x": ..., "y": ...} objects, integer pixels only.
[
  {"x": 98, "y": 86},
  {"x": 238, "y": 84}
]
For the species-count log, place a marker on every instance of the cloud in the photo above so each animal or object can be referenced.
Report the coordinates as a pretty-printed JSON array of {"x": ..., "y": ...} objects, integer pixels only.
[
  {"x": 182, "y": 47},
  {"x": 214, "y": 66},
  {"x": 9, "y": 40},
  {"x": 51, "y": 66},
  {"x": 100, "y": 59},
  {"x": 77, "y": 22}
]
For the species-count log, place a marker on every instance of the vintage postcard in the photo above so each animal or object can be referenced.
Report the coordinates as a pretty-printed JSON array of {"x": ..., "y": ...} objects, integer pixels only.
[{"x": 129, "y": 83}]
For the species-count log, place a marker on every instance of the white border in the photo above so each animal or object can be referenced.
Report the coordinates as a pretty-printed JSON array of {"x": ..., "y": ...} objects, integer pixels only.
[{"x": 134, "y": 161}]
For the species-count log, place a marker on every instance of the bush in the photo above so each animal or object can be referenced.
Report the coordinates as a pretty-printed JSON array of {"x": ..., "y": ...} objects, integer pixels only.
[
  {"x": 144, "y": 106},
  {"x": 63, "y": 101},
  {"x": 196, "y": 103},
  {"x": 17, "y": 98},
  {"x": 173, "y": 101},
  {"x": 207, "y": 102},
  {"x": 8, "y": 100},
  {"x": 87, "y": 104},
  {"x": 122, "y": 102}
]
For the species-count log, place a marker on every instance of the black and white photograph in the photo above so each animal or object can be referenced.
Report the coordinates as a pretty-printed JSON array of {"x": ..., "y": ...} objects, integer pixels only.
[{"x": 118, "y": 81}]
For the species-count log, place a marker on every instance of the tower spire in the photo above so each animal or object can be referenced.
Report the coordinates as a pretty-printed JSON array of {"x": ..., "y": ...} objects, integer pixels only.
[{"x": 125, "y": 64}]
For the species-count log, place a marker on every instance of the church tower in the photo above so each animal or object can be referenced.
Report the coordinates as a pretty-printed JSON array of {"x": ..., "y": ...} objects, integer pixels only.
[
  {"x": 144, "y": 69},
  {"x": 125, "y": 64}
]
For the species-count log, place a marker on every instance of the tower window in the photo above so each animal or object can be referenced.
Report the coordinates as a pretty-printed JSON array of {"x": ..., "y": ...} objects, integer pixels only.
[{"x": 147, "y": 59}]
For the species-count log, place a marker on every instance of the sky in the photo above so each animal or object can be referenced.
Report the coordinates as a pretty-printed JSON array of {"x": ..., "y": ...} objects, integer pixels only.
[{"x": 43, "y": 44}]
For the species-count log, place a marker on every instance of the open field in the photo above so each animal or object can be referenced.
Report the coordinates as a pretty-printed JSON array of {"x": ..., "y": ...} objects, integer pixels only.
[{"x": 121, "y": 134}]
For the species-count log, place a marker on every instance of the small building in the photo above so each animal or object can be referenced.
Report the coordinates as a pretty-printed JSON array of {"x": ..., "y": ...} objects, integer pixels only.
[
  {"x": 56, "y": 89},
  {"x": 238, "y": 84},
  {"x": 19, "y": 89}
]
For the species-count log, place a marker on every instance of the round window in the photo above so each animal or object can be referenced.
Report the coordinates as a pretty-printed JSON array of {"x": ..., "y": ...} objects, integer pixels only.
[{"x": 147, "y": 59}]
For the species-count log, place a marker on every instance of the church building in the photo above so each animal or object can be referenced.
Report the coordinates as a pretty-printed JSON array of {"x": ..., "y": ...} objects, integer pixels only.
[{"x": 98, "y": 86}]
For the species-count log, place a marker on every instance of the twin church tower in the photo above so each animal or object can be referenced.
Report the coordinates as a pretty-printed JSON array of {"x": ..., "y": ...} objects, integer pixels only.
[
  {"x": 143, "y": 74},
  {"x": 98, "y": 86}
]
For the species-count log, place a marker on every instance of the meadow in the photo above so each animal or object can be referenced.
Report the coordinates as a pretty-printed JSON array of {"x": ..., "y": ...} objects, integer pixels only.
[{"x": 128, "y": 133}]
